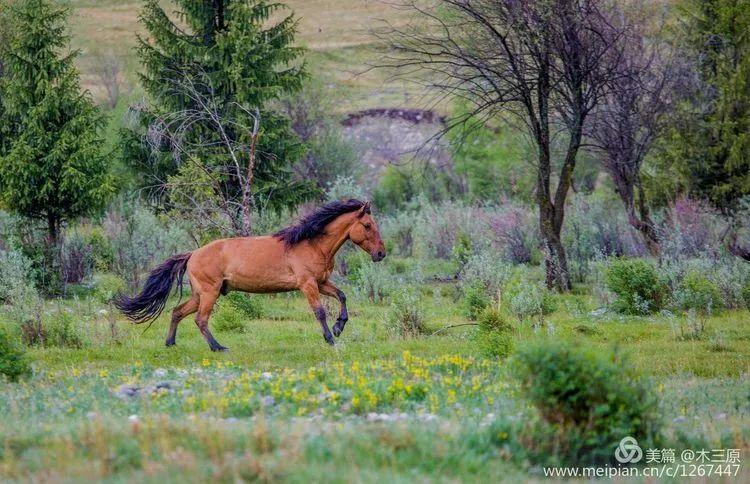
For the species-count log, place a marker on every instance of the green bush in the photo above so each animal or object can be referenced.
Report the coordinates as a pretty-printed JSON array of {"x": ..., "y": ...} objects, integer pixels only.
[
  {"x": 17, "y": 277},
  {"x": 405, "y": 316},
  {"x": 636, "y": 285},
  {"x": 60, "y": 329},
  {"x": 13, "y": 362},
  {"x": 495, "y": 334},
  {"x": 107, "y": 286},
  {"x": 588, "y": 398},
  {"x": 248, "y": 306},
  {"x": 698, "y": 293},
  {"x": 228, "y": 319},
  {"x": 746, "y": 295},
  {"x": 527, "y": 299},
  {"x": 475, "y": 300}
]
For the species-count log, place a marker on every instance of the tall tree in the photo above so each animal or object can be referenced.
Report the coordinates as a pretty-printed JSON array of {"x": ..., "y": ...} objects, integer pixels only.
[
  {"x": 710, "y": 142},
  {"x": 631, "y": 117},
  {"x": 248, "y": 61},
  {"x": 546, "y": 62},
  {"x": 51, "y": 164}
]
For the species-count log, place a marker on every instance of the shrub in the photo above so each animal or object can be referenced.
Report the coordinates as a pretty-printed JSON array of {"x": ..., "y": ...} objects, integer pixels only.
[
  {"x": 344, "y": 187},
  {"x": 462, "y": 251},
  {"x": 139, "y": 240},
  {"x": 527, "y": 299},
  {"x": 698, "y": 293},
  {"x": 636, "y": 285},
  {"x": 16, "y": 276},
  {"x": 596, "y": 226},
  {"x": 514, "y": 231},
  {"x": 746, "y": 295},
  {"x": 689, "y": 328},
  {"x": 488, "y": 269},
  {"x": 107, "y": 286},
  {"x": 248, "y": 306},
  {"x": 475, "y": 300},
  {"x": 77, "y": 258},
  {"x": 228, "y": 319},
  {"x": 61, "y": 329},
  {"x": 399, "y": 229},
  {"x": 405, "y": 316},
  {"x": 495, "y": 334},
  {"x": 376, "y": 281},
  {"x": 13, "y": 361},
  {"x": 588, "y": 399}
]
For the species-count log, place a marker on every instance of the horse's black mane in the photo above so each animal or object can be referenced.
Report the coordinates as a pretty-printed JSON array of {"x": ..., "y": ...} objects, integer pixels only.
[{"x": 314, "y": 224}]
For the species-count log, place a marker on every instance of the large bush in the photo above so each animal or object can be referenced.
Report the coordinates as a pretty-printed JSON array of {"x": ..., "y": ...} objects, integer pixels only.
[
  {"x": 636, "y": 285},
  {"x": 17, "y": 275},
  {"x": 248, "y": 305},
  {"x": 139, "y": 240},
  {"x": 696, "y": 292},
  {"x": 588, "y": 400},
  {"x": 13, "y": 362}
]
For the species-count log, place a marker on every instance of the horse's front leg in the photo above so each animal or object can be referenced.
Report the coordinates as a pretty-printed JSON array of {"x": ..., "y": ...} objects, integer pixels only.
[
  {"x": 329, "y": 289},
  {"x": 310, "y": 289}
]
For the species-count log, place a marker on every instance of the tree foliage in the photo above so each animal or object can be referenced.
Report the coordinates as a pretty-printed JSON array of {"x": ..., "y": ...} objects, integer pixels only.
[
  {"x": 710, "y": 141},
  {"x": 51, "y": 164},
  {"x": 247, "y": 59}
]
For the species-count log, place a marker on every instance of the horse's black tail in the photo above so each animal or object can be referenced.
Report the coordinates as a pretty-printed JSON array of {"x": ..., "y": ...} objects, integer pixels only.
[{"x": 148, "y": 305}]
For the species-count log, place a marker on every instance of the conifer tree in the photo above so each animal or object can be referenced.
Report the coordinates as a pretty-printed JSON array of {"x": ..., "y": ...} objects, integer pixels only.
[
  {"x": 249, "y": 63},
  {"x": 51, "y": 164},
  {"x": 710, "y": 141}
]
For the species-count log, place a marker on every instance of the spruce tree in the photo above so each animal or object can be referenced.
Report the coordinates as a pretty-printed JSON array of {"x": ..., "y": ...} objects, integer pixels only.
[
  {"x": 249, "y": 61},
  {"x": 51, "y": 164},
  {"x": 710, "y": 141}
]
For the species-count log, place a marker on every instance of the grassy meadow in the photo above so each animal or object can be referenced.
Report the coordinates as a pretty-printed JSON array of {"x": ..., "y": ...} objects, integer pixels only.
[
  {"x": 459, "y": 362},
  {"x": 283, "y": 405}
]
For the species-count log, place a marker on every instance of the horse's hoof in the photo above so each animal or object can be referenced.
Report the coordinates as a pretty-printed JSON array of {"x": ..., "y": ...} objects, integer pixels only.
[
  {"x": 169, "y": 343},
  {"x": 220, "y": 348},
  {"x": 336, "y": 331}
]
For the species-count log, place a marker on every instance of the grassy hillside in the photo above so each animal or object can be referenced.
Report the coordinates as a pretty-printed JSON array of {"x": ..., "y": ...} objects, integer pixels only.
[{"x": 335, "y": 31}]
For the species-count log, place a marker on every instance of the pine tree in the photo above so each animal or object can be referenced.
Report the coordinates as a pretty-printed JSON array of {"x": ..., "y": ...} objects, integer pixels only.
[
  {"x": 710, "y": 142},
  {"x": 249, "y": 63},
  {"x": 51, "y": 165}
]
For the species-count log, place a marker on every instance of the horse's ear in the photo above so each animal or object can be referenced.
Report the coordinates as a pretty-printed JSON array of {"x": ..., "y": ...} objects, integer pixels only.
[{"x": 364, "y": 210}]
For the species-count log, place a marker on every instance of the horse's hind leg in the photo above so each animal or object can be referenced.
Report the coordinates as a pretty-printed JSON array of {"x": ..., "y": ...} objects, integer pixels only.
[
  {"x": 180, "y": 312},
  {"x": 205, "y": 306}
]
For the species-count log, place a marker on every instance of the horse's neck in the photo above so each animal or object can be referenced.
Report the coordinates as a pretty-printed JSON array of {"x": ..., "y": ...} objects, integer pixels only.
[{"x": 336, "y": 234}]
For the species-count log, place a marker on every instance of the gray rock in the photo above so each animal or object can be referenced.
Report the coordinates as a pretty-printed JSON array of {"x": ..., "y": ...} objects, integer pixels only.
[{"x": 127, "y": 391}]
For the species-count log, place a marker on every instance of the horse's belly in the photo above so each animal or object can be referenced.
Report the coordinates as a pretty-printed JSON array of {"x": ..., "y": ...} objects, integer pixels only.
[
  {"x": 261, "y": 279},
  {"x": 256, "y": 285}
]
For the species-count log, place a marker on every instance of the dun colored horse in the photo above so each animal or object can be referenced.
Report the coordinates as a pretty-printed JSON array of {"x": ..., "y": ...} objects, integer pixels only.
[{"x": 299, "y": 257}]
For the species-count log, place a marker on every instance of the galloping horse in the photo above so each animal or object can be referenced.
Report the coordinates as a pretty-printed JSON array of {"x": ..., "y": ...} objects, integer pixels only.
[{"x": 299, "y": 257}]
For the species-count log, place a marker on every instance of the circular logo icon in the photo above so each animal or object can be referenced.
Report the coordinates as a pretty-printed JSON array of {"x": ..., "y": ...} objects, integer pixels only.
[{"x": 628, "y": 451}]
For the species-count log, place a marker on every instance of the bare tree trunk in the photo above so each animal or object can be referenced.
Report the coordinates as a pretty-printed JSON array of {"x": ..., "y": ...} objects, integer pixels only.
[
  {"x": 246, "y": 201},
  {"x": 638, "y": 217}
]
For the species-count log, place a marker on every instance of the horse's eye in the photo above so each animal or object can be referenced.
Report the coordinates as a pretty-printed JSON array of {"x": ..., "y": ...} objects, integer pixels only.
[{"x": 368, "y": 226}]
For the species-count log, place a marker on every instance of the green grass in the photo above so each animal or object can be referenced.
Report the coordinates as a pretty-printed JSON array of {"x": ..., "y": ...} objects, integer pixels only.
[
  {"x": 289, "y": 336},
  {"x": 283, "y": 405}
]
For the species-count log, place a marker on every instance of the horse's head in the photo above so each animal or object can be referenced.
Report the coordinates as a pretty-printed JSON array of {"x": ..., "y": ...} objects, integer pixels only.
[{"x": 364, "y": 233}]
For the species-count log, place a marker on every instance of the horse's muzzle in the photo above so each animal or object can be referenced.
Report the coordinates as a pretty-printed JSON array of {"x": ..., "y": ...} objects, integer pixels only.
[{"x": 378, "y": 255}]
